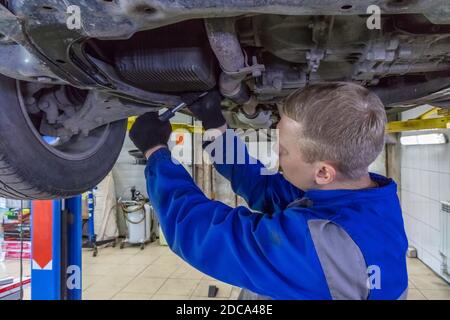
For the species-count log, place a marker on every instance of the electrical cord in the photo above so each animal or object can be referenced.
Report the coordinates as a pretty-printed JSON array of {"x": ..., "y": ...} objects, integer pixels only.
[
  {"x": 125, "y": 211},
  {"x": 123, "y": 206}
]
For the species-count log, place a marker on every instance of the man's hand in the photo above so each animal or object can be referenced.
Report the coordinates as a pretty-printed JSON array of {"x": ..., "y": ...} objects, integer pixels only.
[
  {"x": 149, "y": 133},
  {"x": 206, "y": 109}
]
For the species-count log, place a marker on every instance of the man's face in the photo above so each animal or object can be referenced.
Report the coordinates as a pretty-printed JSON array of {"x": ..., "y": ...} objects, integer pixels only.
[{"x": 297, "y": 171}]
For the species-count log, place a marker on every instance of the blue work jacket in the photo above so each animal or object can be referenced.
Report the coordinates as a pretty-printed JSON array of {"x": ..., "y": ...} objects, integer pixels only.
[{"x": 289, "y": 244}]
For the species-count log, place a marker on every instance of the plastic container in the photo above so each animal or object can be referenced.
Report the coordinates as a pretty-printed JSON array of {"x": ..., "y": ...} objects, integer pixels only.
[{"x": 138, "y": 224}]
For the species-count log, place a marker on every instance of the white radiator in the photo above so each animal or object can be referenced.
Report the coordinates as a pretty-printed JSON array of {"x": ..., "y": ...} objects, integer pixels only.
[{"x": 445, "y": 236}]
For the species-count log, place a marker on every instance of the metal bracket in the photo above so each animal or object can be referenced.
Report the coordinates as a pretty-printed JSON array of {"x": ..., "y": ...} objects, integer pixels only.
[
  {"x": 255, "y": 69},
  {"x": 100, "y": 109}
]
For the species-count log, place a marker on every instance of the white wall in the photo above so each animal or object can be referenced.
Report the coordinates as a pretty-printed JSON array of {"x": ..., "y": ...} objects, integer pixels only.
[
  {"x": 127, "y": 174},
  {"x": 425, "y": 177},
  {"x": 379, "y": 165}
]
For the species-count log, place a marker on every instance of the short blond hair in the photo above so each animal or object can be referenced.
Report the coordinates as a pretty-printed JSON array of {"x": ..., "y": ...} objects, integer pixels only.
[{"x": 340, "y": 122}]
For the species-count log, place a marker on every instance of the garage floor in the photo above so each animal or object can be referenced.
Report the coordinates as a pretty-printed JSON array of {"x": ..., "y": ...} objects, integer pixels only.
[
  {"x": 157, "y": 273},
  {"x": 153, "y": 273}
]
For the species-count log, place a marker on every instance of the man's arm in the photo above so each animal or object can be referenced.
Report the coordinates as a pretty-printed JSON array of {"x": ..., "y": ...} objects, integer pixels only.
[
  {"x": 264, "y": 193},
  {"x": 234, "y": 245}
]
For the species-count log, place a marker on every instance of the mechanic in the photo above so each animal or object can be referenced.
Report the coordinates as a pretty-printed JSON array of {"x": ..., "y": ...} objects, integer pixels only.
[{"x": 325, "y": 228}]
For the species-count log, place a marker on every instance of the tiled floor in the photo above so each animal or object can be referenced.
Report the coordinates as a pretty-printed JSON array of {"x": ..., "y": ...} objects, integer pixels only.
[
  {"x": 11, "y": 268},
  {"x": 153, "y": 273},
  {"x": 156, "y": 273}
]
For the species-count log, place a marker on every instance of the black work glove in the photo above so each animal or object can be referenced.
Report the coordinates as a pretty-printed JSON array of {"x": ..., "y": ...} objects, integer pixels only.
[
  {"x": 148, "y": 132},
  {"x": 206, "y": 109}
]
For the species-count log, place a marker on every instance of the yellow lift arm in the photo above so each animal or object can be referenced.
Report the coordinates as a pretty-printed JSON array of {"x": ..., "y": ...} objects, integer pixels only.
[
  {"x": 175, "y": 126},
  {"x": 422, "y": 122}
]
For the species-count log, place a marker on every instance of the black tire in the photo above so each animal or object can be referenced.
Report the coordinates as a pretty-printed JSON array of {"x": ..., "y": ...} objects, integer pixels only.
[{"x": 30, "y": 170}]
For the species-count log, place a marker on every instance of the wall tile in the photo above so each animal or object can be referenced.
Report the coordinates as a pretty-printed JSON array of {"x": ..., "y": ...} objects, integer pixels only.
[
  {"x": 435, "y": 239},
  {"x": 425, "y": 181},
  {"x": 423, "y": 236},
  {"x": 446, "y": 166},
  {"x": 434, "y": 185},
  {"x": 435, "y": 154},
  {"x": 434, "y": 211},
  {"x": 430, "y": 260},
  {"x": 444, "y": 187},
  {"x": 405, "y": 204}
]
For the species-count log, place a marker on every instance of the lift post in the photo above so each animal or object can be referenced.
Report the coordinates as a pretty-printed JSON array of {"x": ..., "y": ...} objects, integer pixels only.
[{"x": 56, "y": 230}]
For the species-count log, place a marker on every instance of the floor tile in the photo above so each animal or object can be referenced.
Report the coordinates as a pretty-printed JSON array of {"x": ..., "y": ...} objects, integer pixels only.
[
  {"x": 187, "y": 272},
  {"x": 436, "y": 294},
  {"x": 202, "y": 289},
  {"x": 184, "y": 287},
  {"x": 115, "y": 258},
  {"x": 99, "y": 269},
  {"x": 204, "y": 298},
  {"x": 157, "y": 296},
  {"x": 131, "y": 296},
  {"x": 144, "y": 285},
  {"x": 416, "y": 267},
  {"x": 158, "y": 250},
  {"x": 98, "y": 295},
  {"x": 127, "y": 270},
  {"x": 428, "y": 281},
  {"x": 108, "y": 283},
  {"x": 141, "y": 260},
  {"x": 158, "y": 271},
  {"x": 88, "y": 281},
  {"x": 415, "y": 294},
  {"x": 165, "y": 260}
]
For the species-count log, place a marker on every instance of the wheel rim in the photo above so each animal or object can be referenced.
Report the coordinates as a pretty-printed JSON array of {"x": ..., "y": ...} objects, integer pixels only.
[{"x": 77, "y": 148}]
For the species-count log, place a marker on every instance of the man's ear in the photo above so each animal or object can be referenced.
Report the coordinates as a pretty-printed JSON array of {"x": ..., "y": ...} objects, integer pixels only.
[{"x": 325, "y": 173}]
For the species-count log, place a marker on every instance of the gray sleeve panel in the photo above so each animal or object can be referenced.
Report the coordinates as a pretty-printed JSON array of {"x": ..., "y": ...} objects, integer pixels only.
[
  {"x": 246, "y": 294},
  {"x": 404, "y": 295},
  {"x": 341, "y": 259}
]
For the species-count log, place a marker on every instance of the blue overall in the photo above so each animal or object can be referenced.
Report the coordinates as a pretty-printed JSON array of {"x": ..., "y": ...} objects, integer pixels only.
[{"x": 290, "y": 244}]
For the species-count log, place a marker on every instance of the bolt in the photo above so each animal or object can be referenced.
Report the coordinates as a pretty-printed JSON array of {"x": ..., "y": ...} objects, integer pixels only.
[
  {"x": 277, "y": 83},
  {"x": 30, "y": 100},
  {"x": 44, "y": 105}
]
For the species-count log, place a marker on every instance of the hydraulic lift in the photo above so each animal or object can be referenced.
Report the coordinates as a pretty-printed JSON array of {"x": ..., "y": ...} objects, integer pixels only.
[
  {"x": 56, "y": 230},
  {"x": 434, "y": 118}
]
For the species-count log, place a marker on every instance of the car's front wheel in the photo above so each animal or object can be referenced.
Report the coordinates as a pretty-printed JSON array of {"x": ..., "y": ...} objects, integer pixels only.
[{"x": 33, "y": 167}]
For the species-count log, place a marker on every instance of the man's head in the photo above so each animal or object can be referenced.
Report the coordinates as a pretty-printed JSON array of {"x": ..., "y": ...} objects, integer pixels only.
[{"x": 330, "y": 133}]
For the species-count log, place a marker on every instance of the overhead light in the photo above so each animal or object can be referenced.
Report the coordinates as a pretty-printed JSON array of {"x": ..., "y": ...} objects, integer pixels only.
[{"x": 430, "y": 138}]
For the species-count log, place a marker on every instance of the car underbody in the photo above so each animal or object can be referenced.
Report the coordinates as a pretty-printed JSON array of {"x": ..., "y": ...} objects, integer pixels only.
[
  {"x": 141, "y": 55},
  {"x": 80, "y": 81}
]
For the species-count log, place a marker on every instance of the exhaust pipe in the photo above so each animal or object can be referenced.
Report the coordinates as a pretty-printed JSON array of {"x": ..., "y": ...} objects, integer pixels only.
[{"x": 225, "y": 44}]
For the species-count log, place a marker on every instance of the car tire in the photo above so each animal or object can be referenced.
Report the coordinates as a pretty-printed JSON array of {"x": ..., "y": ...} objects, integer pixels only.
[{"x": 29, "y": 169}]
